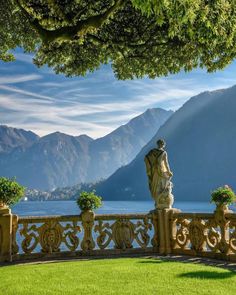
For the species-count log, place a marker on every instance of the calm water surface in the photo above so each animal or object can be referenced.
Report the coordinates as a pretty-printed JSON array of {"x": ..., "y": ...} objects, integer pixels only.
[{"x": 70, "y": 207}]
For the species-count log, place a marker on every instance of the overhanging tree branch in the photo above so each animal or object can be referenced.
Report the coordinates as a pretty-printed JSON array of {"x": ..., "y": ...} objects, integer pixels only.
[{"x": 68, "y": 33}]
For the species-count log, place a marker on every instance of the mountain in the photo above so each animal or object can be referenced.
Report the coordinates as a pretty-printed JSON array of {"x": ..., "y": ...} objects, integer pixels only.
[
  {"x": 201, "y": 145},
  {"x": 54, "y": 160},
  {"x": 122, "y": 145},
  {"x": 11, "y": 138},
  {"x": 59, "y": 160}
]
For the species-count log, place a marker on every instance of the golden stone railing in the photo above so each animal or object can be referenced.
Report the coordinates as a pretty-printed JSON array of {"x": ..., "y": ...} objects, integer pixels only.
[
  {"x": 204, "y": 234},
  {"x": 79, "y": 235},
  {"x": 167, "y": 231}
]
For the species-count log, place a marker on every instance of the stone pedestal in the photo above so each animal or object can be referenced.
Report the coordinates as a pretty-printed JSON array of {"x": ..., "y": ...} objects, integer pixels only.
[
  {"x": 162, "y": 227},
  {"x": 5, "y": 234}
]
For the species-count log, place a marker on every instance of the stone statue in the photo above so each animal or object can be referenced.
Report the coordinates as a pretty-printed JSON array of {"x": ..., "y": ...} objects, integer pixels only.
[{"x": 159, "y": 176}]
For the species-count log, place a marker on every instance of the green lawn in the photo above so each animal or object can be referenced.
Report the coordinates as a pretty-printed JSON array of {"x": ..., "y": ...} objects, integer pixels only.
[{"x": 116, "y": 276}]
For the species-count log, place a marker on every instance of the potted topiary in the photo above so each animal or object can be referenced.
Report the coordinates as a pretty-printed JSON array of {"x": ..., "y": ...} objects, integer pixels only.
[
  {"x": 222, "y": 197},
  {"x": 89, "y": 201},
  {"x": 10, "y": 192}
]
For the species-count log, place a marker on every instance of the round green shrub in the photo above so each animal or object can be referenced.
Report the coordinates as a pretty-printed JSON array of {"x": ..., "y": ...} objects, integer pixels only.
[
  {"x": 10, "y": 191},
  {"x": 89, "y": 201},
  {"x": 223, "y": 195}
]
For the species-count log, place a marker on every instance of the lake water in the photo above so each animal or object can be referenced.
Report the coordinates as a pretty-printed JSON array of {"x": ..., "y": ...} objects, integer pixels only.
[{"x": 70, "y": 207}]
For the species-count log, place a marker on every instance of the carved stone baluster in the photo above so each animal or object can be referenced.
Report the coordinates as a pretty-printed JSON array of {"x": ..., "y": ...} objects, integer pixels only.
[
  {"x": 141, "y": 232},
  {"x": 105, "y": 234},
  {"x": 182, "y": 233},
  {"x": 213, "y": 236},
  {"x": 87, "y": 243},
  {"x": 223, "y": 222},
  {"x": 30, "y": 237},
  {"x": 155, "y": 239},
  {"x": 15, "y": 247},
  {"x": 173, "y": 231},
  {"x": 70, "y": 235}
]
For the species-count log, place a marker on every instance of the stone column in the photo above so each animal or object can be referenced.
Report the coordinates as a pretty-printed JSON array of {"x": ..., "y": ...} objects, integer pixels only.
[
  {"x": 5, "y": 234},
  {"x": 162, "y": 230}
]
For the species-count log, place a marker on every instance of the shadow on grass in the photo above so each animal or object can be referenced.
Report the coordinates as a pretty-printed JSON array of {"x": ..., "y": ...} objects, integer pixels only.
[
  {"x": 212, "y": 275},
  {"x": 193, "y": 260}
]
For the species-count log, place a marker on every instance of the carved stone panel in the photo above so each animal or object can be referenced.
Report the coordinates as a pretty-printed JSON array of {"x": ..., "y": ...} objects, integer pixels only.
[
  {"x": 50, "y": 236},
  {"x": 196, "y": 234},
  {"x": 123, "y": 233}
]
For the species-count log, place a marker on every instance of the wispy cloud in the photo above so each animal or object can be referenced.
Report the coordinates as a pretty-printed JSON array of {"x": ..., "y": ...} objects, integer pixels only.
[
  {"x": 43, "y": 102},
  {"x": 26, "y": 93},
  {"x": 13, "y": 79}
]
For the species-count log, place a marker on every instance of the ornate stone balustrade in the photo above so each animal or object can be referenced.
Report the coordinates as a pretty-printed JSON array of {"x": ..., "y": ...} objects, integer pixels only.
[
  {"x": 85, "y": 234},
  {"x": 163, "y": 231},
  {"x": 41, "y": 236},
  {"x": 211, "y": 235}
]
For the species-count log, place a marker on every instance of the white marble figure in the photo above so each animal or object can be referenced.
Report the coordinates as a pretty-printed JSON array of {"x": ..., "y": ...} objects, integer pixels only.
[{"x": 159, "y": 176}]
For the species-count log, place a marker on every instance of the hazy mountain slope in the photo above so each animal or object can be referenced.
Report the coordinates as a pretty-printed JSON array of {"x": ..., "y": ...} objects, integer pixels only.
[
  {"x": 59, "y": 160},
  {"x": 122, "y": 145},
  {"x": 201, "y": 141},
  {"x": 55, "y": 160},
  {"x": 11, "y": 138}
]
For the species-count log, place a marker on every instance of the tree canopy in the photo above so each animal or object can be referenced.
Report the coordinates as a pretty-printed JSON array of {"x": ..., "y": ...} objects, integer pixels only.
[{"x": 137, "y": 37}]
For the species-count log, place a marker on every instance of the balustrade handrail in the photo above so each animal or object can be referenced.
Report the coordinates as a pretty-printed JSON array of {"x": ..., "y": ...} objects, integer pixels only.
[
  {"x": 113, "y": 216},
  {"x": 124, "y": 216},
  {"x": 192, "y": 215},
  {"x": 201, "y": 215},
  {"x": 38, "y": 219}
]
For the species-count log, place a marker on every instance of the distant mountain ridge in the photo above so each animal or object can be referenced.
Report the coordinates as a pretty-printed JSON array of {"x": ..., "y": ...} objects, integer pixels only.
[
  {"x": 123, "y": 144},
  {"x": 11, "y": 138},
  {"x": 58, "y": 159},
  {"x": 201, "y": 144}
]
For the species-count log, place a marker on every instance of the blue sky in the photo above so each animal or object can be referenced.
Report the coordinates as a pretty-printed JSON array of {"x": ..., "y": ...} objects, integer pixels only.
[{"x": 41, "y": 101}]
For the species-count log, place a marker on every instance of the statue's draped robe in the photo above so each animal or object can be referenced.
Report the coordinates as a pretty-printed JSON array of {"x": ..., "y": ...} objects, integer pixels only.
[{"x": 158, "y": 171}]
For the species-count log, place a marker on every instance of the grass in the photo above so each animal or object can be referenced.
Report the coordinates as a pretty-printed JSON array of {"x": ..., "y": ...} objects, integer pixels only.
[{"x": 116, "y": 276}]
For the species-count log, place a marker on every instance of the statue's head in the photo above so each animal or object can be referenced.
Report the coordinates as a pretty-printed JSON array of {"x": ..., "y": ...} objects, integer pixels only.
[{"x": 161, "y": 143}]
